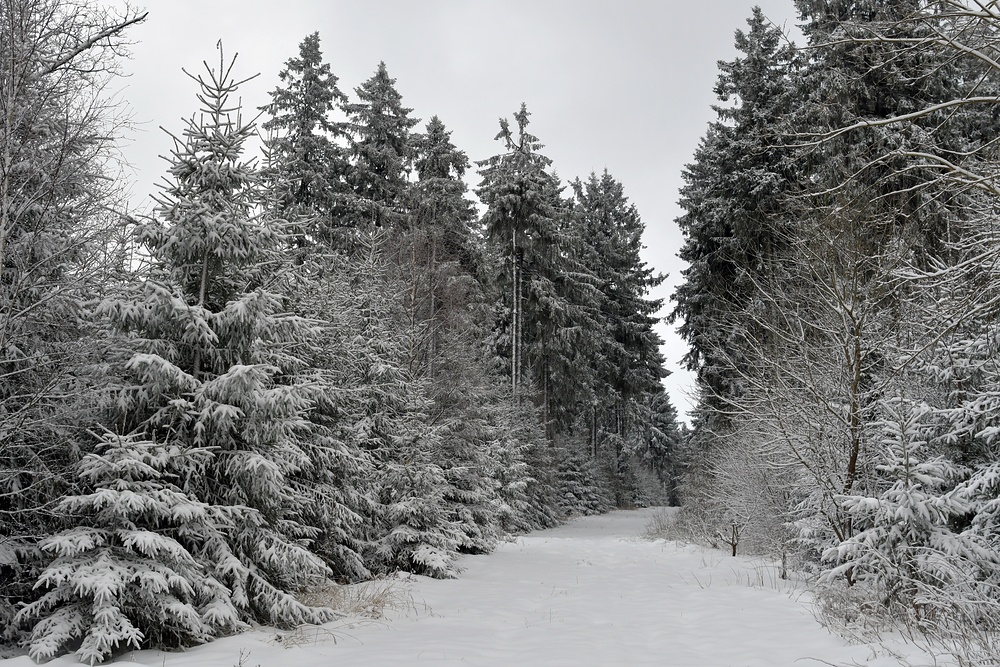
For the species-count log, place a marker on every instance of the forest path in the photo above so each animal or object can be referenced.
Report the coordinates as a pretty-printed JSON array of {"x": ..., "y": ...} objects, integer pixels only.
[{"x": 591, "y": 592}]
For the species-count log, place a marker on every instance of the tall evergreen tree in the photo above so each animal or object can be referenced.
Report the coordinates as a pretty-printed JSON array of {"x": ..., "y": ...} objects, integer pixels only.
[
  {"x": 519, "y": 219},
  {"x": 851, "y": 78},
  {"x": 205, "y": 440},
  {"x": 443, "y": 263},
  {"x": 627, "y": 359},
  {"x": 526, "y": 224},
  {"x": 307, "y": 148},
  {"x": 735, "y": 216},
  {"x": 736, "y": 224},
  {"x": 381, "y": 148},
  {"x": 388, "y": 415},
  {"x": 665, "y": 444},
  {"x": 436, "y": 248}
]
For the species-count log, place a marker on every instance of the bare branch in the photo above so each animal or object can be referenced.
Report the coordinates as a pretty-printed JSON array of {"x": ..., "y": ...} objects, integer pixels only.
[{"x": 91, "y": 41}]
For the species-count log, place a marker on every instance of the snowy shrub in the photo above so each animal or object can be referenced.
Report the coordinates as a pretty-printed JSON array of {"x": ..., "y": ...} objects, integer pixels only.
[
  {"x": 908, "y": 556},
  {"x": 532, "y": 489},
  {"x": 471, "y": 494},
  {"x": 420, "y": 539},
  {"x": 132, "y": 573},
  {"x": 738, "y": 496},
  {"x": 583, "y": 485}
]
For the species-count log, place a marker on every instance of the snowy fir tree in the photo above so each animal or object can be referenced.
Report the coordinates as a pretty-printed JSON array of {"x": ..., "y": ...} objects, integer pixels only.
[
  {"x": 547, "y": 291},
  {"x": 132, "y": 574},
  {"x": 517, "y": 190},
  {"x": 908, "y": 554},
  {"x": 381, "y": 149},
  {"x": 389, "y": 419},
  {"x": 212, "y": 396},
  {"x": 732, "y": 202},
  {"x": 306, "y": 148},
  {"x": 622, "y": 348},
  {"x": 441, "y": 264}
]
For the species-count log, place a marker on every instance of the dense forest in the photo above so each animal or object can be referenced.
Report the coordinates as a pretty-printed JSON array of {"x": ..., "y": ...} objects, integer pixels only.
[
  {"x": 336, "y": 348},
  {"x": 840, "y": 222},
  {"x": 317, "y": 359}
]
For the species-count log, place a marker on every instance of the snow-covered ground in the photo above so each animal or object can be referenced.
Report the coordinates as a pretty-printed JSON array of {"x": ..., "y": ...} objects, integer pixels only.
[{"x": 592, "y": 592}]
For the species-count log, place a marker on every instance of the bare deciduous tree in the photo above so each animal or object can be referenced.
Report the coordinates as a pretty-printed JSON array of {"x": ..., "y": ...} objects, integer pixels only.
[{"x": 59, "y": 196}]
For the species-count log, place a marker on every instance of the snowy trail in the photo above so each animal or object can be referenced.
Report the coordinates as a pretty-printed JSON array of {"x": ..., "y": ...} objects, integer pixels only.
[{"x": 587, "y": 593}]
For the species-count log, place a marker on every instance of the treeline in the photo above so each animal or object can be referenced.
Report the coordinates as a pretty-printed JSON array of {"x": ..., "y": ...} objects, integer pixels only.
[
  {"x": 320, "y": 363},
  {"x": 840, "y": 221}
]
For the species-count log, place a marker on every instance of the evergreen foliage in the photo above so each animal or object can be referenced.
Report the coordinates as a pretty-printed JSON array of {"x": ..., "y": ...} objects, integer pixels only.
[
  {"x": 306, "y": 147},
  {"x": 735, "y": 218},
  {"x": 328, "y": 368},
  {"x": 133, "y": 574},
  {"x": 211, "y": 397},
  {"x": 848, "y": 265},
  {"x": 623, "y": 350},
  {"x": 382, "y": 149},
  {"x": 519, "y": 221}
]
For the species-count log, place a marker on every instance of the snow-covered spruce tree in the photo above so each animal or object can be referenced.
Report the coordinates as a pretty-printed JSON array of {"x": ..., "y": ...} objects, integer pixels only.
[
  {"x": 392, "y": 488},
  {"x": 133, "y": 573},
  {"x": 953, "y": 357},
  {"x": 735, "y": 224},
  {"x": 309, "y": 158},
  {"x": 59, "y": 188},
  {"x": 515, "y": 187},
  {"x": 546, "y": 291},
  {"x": 206, "y": 433},
  {"x": 324, "y": 287},
  {"x": 483, "y": 462},
  {"x": 439, "y": 260},
  {"x": 524, "y": 466},
  {"x": 389, "y": 465},
  {"x": 563, "y": 304},
  {"x": 583, "y": 489},
  {"x": 382, "y": 150},
  {"x": 623, "y": 349},
  {"x": 436, "y": 251},
  {"x": 663, "y": 450},
  {"x": 907, "y": 555},
  {"x": 387, "y": 414},
  {"x": 305, "y": 179},
  {"x": 734, "y": 215},
  {"x": 853, "y": 79}
]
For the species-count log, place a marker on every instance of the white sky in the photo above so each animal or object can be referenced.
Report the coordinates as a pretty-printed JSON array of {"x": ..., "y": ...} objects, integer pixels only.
[{"x": 624, "y": 85}]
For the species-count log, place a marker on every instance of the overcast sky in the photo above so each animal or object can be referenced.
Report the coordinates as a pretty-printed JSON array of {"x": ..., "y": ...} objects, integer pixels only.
[{"x": 624, "y": 85}]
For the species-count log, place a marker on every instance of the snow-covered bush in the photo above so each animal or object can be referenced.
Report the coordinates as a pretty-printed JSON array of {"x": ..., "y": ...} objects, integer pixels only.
[
  {"x": 583, "y": 485},
  {"x": 916, "y": 556},
  {"x": 135, "y": 570},
  {"x": 469, "y": 449}
]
